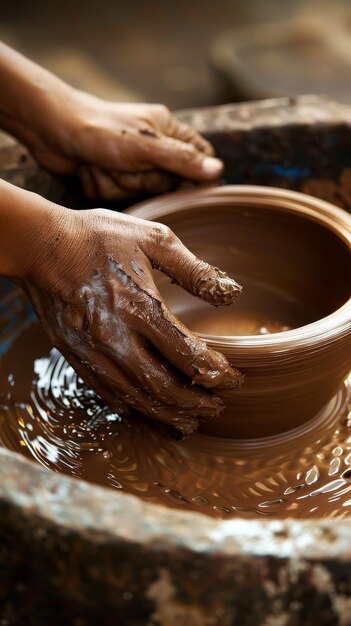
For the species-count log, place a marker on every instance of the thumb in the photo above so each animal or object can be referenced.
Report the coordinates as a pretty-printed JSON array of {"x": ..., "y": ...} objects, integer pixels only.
[{"x": 167, "y": 253}]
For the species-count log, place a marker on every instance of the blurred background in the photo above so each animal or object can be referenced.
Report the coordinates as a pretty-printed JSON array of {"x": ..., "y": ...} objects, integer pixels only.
[{"x": 188, "y": 53}]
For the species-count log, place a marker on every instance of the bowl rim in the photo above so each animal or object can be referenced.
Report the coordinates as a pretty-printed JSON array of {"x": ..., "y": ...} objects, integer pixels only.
[{"x": 324, "y": 213}]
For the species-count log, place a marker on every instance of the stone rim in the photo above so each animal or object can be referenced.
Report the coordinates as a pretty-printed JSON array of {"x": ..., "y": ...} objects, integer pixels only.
[{"x": 67, "y": 504}]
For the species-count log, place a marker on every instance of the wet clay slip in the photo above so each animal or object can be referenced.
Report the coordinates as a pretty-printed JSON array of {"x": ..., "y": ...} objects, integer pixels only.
[{"x": 282, "y": 448}]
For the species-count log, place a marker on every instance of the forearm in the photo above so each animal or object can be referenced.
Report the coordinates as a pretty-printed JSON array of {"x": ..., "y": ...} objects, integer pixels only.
[
  {"x": 25, "y": 90},
  {"x": 118, "y": 150},
  {"x": 26, "y": 219}
]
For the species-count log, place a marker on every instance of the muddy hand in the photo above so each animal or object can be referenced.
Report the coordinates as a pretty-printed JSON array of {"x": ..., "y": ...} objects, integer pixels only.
[
  {"x": 91, "y": 282},
  {"x": 118, "y": 150}
]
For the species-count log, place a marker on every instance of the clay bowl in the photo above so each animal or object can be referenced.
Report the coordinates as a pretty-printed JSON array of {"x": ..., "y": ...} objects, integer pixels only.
[{"x": 290, "y": 331}]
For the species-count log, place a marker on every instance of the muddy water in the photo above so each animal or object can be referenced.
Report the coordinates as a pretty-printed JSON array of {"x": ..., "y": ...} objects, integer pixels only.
[{"x": 48, "y": 415}]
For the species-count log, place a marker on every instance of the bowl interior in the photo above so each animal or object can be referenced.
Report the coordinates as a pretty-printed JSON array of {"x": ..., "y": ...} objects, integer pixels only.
[{"x": 294, "y": 270}]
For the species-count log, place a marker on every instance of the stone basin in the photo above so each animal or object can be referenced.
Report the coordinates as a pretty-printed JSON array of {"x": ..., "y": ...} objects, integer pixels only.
[{"x": 74, "y": 553}]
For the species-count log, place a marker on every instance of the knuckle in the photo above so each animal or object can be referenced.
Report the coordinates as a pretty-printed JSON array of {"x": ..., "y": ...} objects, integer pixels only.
[
  {"x": 188, "y": 153},
  {"x": 143, "y": 312},
  {"x": 75, "y": 321},
  {"x": 100, "y": 213},
  {"x": 162, "y": 111},
  {"x": 183, "y": 131},
  {"x": 162, "y": 235}
]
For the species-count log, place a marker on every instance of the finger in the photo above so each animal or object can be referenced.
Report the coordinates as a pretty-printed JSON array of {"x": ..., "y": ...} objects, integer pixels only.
[
  {"x": 55, "y": 162},
  {"x": 124, "y": 185},
  {"x": 112, "y": 399},
  {"x": 167, "y": 253},
  {"x": 182, "y": 158},
  {"x": 107, "y": 187},
  {"x": 98, "y": 184},
  {"x": 87, "y": 182},
  {"x": 184, "y": 132},
  {"x": 146, "y": 369},
  {"x": 172, "y": 127},
  {"x": 114, "y": 379},
  {"x": 149, "y": 182},
  {"x": 185, "y": 350}
]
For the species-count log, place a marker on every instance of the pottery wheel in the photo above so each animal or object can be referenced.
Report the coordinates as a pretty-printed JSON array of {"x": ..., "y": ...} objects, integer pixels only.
[{"x": 48, "y": 415}]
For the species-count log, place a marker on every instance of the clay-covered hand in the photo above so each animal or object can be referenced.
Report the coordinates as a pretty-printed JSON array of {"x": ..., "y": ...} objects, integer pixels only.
[
  {"x": 90, "y": 278},
  {"x": 118, "y": 150}
]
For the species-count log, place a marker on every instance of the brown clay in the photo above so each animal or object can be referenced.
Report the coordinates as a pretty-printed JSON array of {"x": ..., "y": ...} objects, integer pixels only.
[
  {"x": 118, "y": 150},
  {"x": 47, "y": 413},
  {"x": 89, "y": 275},
  {"x": 291, "y": 253}
]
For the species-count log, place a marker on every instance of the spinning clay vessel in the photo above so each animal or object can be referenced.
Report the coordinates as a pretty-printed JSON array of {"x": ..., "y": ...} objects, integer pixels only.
[{"x": 275, "y": 551}]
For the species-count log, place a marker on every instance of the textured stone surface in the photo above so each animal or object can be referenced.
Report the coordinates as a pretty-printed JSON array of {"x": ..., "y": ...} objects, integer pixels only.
[
  {"x": 75, "y": 554},
  {"x": 69, "y": 546},
  {"x": 301, "y": 143}
]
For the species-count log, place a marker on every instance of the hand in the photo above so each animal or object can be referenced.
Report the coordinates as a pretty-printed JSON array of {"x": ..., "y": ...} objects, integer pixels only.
[
  {"x": 90, "y": 279},
  {"x": 119, "y": 151},
  {"x": 122, "y": 150}
]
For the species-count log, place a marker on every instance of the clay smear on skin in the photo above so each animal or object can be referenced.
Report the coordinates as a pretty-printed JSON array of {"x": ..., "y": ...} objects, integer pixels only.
[{"x": 48, "y": 414}]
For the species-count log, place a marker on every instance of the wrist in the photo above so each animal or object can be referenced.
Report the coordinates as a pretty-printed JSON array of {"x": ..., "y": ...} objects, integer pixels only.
[
  {"x": 29, "y": 97},
  {"x": 28, "y": 224}
]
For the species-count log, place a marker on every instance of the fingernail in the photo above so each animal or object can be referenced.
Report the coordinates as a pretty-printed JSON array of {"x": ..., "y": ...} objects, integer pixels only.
[
  {"x": 234, "y": 378},
  {"x": 216, "y": 287},
  {"x": 212, "y": 167},
  {"x": 226, "y": 291}
]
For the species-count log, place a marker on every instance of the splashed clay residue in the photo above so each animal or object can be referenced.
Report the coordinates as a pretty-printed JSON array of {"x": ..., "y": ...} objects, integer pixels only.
[
  {"x": 47, "y": 414},
  {"x": 283, "y": 446}
]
